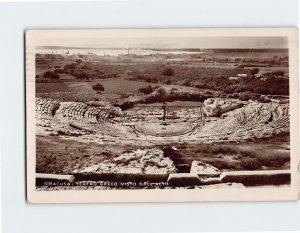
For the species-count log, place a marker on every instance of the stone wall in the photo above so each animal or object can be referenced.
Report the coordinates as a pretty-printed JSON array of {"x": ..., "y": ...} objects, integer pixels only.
[{"x": 218, "y": 106}]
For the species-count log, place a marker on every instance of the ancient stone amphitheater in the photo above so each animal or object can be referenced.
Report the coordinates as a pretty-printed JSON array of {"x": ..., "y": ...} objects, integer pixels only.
[{"x": 240, "y": 121}]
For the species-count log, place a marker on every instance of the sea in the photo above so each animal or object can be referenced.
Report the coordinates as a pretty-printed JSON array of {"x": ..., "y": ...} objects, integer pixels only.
[{"x": 113, "y": 52}]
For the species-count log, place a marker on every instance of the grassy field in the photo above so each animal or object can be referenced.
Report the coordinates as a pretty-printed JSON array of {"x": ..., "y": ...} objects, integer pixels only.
[
  {"x": 61, "y": 156},
  {"x": 120, "y": 85},
  {"x": 57, "y": 155},
  {"x": 259, "y": 154},
  {"x": 82, "y": 91},
  {"x": 52, "y": 87},
  {"x": 113, "y": 85}
]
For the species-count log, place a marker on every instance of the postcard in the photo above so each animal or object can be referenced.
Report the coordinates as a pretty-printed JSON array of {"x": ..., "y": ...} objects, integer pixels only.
[{"x": 162, "y": 115}]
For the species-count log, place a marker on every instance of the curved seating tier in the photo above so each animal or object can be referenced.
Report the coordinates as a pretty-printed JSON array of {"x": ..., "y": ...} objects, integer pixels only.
[
  {"x": 46, "y": 106},
  {"x": 79, "y": 112},
  {"x": 254, "y": 119}
]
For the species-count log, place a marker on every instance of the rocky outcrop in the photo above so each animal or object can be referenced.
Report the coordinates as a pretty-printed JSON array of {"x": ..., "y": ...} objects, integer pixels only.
[
  {"x": 148, "y": 161},
  {"x": 204, "y": 169},
  {"x": 101, "y": 104},
  {"x": 218, "y": 106},
  {"x": 114, "y": 111}
]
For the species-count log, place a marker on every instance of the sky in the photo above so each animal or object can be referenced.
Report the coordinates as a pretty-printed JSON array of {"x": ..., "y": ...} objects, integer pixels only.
[{"x": 171, "y": 42}]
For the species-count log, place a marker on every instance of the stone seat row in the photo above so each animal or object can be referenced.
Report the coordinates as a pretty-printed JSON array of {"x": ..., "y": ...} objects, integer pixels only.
[
  {"x": 252, "y": 117},
  {"x": 76, "y": 111},
  {"x": 47, "y": 107}
]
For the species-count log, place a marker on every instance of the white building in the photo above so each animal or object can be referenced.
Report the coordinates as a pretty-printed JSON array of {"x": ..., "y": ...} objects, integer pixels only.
[{"x": 242, "y": 75}]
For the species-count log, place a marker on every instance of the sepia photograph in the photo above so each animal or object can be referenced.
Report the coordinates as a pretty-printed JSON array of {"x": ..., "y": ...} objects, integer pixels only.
[{"x": 162, "y": 115}]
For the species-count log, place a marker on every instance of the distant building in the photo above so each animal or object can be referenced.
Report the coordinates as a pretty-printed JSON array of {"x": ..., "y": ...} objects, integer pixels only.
[
  {"x": 234, "y": 78},
  {"x": 242, "y": 75},
  {"x": 264, "y": 78},
  {"x": 257, "y": 75}
]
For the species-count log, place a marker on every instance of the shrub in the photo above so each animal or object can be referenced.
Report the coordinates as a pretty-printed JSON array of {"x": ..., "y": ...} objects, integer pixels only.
[
  {"x": 98, "y": 87},
  {"x": 71, "y": 66},
  {"x": 41, "y": 61},
  {"x": 249, "y": 163},
  {"x": 168, "y": 81},
  {"x": 254, "y": 71},
  {"x": 162, "y": 93},
  {"x": 148, "y": 79},
  {"x": 187, "y": 82},
  {"x": 200, "y": 85},
  {"x": 78, "y": 61},
  {"x": 126, "y": 105},
  {"x": 59, "y": 70},
  {"x": 51, "y": 75},
  {"x": 146, "y": 90},
  {"x": 80, "y": 74},
  {"x": 208, "y": 93},
  {"x": 278, "y": 73},
  {"x": 167, "y": 72},
  {"x": 245, "y": 96}
]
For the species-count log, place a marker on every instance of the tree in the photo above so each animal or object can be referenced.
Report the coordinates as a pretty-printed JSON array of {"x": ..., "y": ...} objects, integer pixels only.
[
  {"x": 78, "y": 61},
  {"x": 69, "y": 68},
  {"x": 51, "y": 75},
  {"x": 278, "y": 73},
  {"x": 168, "y": 81},
  {"x": 80, "y": 74},
  {"x": 187, "y": 83},
  {"x": 167, "y": 72},
  {"x": 98, "y": 87},
  {"x": 254, "y": 71}
]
